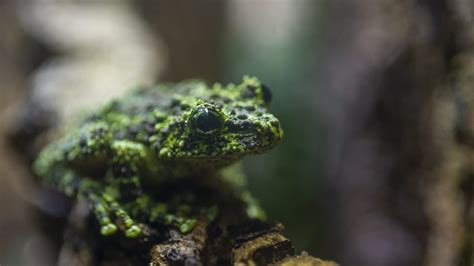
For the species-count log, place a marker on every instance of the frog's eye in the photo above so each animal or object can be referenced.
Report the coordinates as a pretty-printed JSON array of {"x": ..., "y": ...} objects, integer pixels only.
[
  {"x": 267, "y": 95},
  {"x": 206, "y": 121}
]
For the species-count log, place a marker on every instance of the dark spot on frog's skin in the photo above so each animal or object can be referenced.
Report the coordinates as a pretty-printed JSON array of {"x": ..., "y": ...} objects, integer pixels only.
[
  {"x": 156, "y": 145},
  {"x": 249, "y": 92},
  {"x": 150, "y": 108},
  {"x": 250, "y": 108},
  {"x": 82, "y": 142},
  {"x": 114, "y": 104},
  {"x": 258, "y": 113},
  {"x": 238, "y": 126},
  {"x": 133, "y": 130},
  {"x": 231, "y": 125},
  {"x": 121, "y": 170},
  {"x": 233, "y": 112},
  {"x": 184, "y": 107},
  {"x": 180, "y": 125},
  {"x": 175, "y": 102},
  {"x": 225, "y": 100},
  {"x": 246, "y": 125},
  {"x": 250, "y": 143},
  {"x": 130, "y": 133},
  {"x": 122, "y": 135},
  {"x": 242, "y": 117},
  {"x": 159, "y": 119},
  {"x": 98, "y": 132},
  {"x": 150, "y": 129}
]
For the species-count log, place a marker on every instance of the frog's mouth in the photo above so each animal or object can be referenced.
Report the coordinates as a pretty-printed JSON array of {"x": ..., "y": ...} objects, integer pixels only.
[{"x": 231, "y": 146}]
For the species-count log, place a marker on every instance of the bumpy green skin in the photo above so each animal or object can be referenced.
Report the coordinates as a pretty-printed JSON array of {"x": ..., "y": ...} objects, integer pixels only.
[{"x": 153, "y": 134}]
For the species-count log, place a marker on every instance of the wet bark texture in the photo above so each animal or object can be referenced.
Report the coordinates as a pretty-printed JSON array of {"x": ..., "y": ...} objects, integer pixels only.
[{"x": 402, "y": 73}]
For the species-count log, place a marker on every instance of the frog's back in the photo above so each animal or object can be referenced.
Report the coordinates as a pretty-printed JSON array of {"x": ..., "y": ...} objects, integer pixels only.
[
  {"x": 136, "y": 115},
  {"x": 142, "y": 101}
]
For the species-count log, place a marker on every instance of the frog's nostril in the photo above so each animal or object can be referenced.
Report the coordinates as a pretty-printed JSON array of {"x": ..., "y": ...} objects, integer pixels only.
[{"x": 273, "y": 131}]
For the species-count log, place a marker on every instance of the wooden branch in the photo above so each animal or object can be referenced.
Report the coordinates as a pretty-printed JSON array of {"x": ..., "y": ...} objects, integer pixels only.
[{"x": 228, "y": 239}]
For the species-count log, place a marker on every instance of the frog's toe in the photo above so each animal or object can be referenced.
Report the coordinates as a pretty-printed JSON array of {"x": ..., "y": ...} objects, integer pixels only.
[
  {"x": 102, "y": 214},
  {"x": 187, "y": 226},
  {"x": 108, "y": 229},
  {"x": 184, "y": 225},
  {"x": 123, "y": 218},
  {"x": 133, "y": 231}
]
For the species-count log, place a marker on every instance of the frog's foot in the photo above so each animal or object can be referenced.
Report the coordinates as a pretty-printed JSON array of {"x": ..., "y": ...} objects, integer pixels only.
[
  {"x": 128, "y": 158},
  {"x": 104, "y": 208},
  {"x": 100, "y": 209},
  {"x": 184, "y": 225},
  {"x": 132, "y": 229}
]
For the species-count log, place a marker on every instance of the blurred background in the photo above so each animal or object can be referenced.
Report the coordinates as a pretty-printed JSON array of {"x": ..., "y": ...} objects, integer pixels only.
[{"x": 375, "y": 98}]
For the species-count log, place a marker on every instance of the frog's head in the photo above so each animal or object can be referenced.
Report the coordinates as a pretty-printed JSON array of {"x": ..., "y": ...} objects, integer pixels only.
[{"x": 225, "y": 123}]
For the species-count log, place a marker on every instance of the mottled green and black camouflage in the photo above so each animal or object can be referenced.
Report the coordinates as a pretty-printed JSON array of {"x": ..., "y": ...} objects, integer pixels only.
[{"x": 188, "y": 129}]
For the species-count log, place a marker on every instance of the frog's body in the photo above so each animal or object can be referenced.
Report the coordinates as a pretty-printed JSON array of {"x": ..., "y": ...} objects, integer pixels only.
[{"x": 169, "y": 131}]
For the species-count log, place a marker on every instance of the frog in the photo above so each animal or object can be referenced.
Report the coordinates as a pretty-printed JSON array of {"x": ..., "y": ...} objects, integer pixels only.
[{"x": 114, "y": 156}]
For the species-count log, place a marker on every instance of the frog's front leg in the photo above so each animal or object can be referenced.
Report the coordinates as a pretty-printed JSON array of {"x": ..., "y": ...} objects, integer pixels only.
[
  {"x": 128, "y": 161},
  {"x": 105, "y": 208},
  {"x": 90, "y": 146},
  {"x": 99, "y": 206}
]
